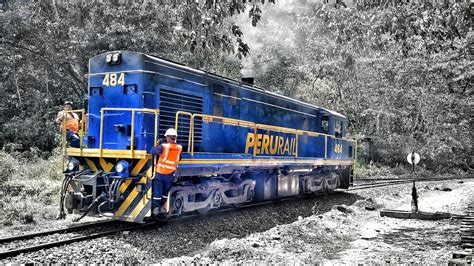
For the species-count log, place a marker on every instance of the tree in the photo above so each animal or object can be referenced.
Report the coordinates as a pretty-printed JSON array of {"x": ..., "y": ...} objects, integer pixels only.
[{"x": 46, "y": 45}]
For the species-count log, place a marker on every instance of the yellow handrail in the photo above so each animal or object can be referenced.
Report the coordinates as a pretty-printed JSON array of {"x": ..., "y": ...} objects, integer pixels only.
[
  {"x": 244, "y": 123},
  {"x": 223, "y": 120},
  {"x": 275, "y": 129},
  {"x": 64, "y": 129},
  {"x": 191, "y": 125},
  {"x": 255, "y": 141},
  {"x": 132, "y": 133}
]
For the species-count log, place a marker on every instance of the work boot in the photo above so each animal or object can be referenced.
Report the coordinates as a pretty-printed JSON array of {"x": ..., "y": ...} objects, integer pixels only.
[{"x": 156, "y": 210}]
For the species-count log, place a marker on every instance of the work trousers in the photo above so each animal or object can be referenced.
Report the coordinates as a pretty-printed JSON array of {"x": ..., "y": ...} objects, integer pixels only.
[
  {"x": 73, "y": 139},
  {"x": 161, "y": 186}
]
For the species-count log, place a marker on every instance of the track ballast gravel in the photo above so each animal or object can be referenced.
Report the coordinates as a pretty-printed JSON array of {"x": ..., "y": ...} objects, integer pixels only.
[{"x": 186, "y": 237}]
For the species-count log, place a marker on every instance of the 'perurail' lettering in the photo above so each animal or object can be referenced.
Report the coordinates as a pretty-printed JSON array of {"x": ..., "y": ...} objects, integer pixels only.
[{"x": 270, "y": 144}]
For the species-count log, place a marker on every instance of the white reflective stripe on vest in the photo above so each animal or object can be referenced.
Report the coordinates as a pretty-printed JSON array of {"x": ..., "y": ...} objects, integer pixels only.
[
  {"x": 169, "y": 158},
  {"x": 167, "y": 149},
  {"x": 166, "y": 166}
]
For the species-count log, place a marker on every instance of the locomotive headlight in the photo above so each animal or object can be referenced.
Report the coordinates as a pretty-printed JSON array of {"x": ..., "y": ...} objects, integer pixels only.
[
  {"x": 72, "y": 165},
  {"x": 122, "y": 168},
  {"x": 108, "y": 58},
  {"x": 115, "y": 57}
]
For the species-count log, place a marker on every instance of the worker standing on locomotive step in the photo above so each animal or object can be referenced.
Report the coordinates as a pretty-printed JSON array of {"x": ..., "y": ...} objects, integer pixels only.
[
  {"x": 72, "y": 124},
  {"x": 170, "y": 154}
]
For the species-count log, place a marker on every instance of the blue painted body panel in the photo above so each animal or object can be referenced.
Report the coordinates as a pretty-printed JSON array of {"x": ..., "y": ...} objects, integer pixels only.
[{"x": 147, "y": 77}]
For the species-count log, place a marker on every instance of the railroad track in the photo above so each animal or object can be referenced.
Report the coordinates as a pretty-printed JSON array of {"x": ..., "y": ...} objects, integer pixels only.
[
  {"x": 28, "y": 248},
  {"x": 56, "y": 231},
  {"x": 373, "y": 183},
  {"x": 80, "y": 236},
  {"x": 378, "y": 184},
  {"x": 467, "y": 229},
  {"x": 467, "y": 238},
  {"x": 417, "y": 178},
  {"x": 92, "y": 235}
]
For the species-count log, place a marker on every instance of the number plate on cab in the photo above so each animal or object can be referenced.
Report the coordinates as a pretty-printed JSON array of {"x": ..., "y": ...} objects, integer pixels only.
[{"x": 113, "y": 79}]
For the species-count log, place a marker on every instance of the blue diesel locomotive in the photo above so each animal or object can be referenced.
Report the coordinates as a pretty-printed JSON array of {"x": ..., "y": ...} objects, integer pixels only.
[{"x": 240, "y": 143}]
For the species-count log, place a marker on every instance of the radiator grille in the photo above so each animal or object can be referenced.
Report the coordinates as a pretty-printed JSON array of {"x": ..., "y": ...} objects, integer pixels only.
[{"x": 172, "y": 102}]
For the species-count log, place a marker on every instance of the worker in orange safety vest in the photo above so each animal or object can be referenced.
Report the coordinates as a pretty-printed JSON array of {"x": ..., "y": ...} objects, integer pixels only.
[
  {"x": 72, "y": 124},
  {"x": 169, "y": 154}
]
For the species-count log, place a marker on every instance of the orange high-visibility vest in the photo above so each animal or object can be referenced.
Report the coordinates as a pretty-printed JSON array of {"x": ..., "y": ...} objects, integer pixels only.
[
  {"x": 72, "y": 124},
  {"x": 168, "y": 158}
]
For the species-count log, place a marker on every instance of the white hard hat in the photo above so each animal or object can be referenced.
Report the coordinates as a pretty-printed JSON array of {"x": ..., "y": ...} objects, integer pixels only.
[{"x": 171, "y": 132}]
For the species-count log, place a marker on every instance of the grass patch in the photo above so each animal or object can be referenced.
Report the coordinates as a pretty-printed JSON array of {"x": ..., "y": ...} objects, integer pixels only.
[{"x": 30, "y": 188}]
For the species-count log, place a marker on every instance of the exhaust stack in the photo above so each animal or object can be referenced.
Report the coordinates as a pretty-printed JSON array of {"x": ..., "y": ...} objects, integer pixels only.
[{"x": 248, "y": 80}]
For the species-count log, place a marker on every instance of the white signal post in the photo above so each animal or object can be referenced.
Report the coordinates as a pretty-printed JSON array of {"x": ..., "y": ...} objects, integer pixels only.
[{"x": 413, "y": 158}]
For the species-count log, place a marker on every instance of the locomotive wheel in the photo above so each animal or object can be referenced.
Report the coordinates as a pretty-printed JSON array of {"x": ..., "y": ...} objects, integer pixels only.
[
  {"x": 217, "y": 199},
  {"x": 178, "y": 203},
  {"x": 250, "y": 195}
]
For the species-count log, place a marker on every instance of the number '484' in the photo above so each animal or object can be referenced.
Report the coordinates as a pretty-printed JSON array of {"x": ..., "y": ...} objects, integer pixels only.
[{"x": 112, "y": 79}]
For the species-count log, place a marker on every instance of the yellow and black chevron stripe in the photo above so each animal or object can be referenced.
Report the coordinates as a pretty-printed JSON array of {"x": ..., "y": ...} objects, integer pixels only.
[{"x": 136, "y": 204}]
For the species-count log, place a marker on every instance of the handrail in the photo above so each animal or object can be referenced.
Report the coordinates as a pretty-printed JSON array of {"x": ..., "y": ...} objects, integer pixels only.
[
  {"x": 223, "y": 120},
  {"x": 275, "y": 129},
  {"x": 191, "y": 125},
  {"x": 132, "y": 133},
  {"x": 244, "y": 123},
  {"x": 64, "y": 129},
  {"x": 325, "y": 147}
]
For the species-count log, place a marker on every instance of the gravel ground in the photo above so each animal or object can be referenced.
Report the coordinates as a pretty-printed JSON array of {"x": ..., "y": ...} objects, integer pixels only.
[{"x": 329, "y": 228}]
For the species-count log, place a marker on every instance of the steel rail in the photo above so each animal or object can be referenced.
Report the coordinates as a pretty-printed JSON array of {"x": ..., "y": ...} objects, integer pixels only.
[
  {"x": 417, "y": 179},
  {"x": 402, "y": 181},
  {"x": 15, "y": 252},
  {"x": 51, "y": 232},
  {"x": 381, "y": 184}
]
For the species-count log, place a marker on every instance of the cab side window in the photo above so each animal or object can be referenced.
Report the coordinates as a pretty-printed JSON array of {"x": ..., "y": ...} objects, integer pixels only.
[
  {"x": 338, "y": 129},
  {"x": 325, "y": 124}
]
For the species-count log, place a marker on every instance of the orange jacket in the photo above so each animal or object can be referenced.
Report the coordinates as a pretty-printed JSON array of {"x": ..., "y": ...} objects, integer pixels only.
[
  {"x": 72, "y": 124},
  {"x": 168, "y": 158}
]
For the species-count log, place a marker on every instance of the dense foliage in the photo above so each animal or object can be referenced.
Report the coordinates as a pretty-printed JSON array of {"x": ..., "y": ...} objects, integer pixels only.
[
  {"x": 401, "y": 73},
  {"x": 46, "y": 45}
]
